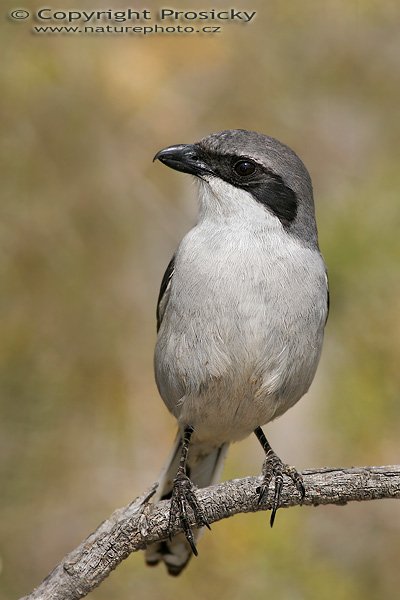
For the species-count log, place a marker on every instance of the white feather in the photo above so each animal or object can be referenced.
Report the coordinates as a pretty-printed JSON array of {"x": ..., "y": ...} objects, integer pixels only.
[{"x": 242, "y": 332}]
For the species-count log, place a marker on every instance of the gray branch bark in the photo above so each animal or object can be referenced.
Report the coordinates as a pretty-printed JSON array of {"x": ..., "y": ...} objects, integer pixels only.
[{"x": 139, "y": 524}]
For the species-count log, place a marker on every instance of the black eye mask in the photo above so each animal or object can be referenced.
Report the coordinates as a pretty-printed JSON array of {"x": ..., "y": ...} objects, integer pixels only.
[{"x": 264, "y": 185}]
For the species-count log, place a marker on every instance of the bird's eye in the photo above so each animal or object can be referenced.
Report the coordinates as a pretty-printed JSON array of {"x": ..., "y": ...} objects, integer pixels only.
[{"x": 244, "y": 167}]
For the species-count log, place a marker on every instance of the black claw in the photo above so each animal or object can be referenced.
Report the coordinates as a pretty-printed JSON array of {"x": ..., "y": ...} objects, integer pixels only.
[
  {"x": 277, "y": 497},
  {"x": 278, "y": 488},
  {"x": 183, "y": 495},
  {"x": 302, "y": 490},
  {"x": 263, "y": 489},
  {"x": 274, "y": 468},
  {"x": 191, "y": 544},
  {"x": 261, "y": 493},
  {"x": 193, "y": 548}
]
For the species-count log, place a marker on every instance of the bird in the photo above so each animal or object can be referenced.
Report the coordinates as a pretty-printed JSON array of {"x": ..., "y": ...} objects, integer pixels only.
[{"x": 240, "y": 318}]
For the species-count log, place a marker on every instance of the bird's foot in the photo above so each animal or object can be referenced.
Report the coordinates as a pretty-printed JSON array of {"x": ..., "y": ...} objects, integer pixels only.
[
  {"x": 273, "y": 467},
  {"x": 184, "y": 496}
]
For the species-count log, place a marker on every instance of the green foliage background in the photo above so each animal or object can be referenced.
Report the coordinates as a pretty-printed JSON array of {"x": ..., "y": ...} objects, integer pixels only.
[{"x": 87, "y": 227}]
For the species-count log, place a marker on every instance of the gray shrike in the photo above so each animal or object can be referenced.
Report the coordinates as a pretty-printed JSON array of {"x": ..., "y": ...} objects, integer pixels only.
[{"x": 240, "y": 316}]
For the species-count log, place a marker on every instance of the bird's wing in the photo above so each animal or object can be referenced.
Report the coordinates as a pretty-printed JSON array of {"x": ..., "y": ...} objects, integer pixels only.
[
  {"x": 165, "y": 288},
  {"x": 327, "y": 296}
]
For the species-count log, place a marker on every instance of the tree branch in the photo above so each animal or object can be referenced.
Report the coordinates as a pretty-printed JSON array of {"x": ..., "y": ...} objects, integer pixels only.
[{"x": 139, "y": 524}]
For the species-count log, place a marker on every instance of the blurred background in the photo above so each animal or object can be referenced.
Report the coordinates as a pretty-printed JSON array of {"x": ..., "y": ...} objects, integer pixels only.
[{"x": 87, "y": 227}]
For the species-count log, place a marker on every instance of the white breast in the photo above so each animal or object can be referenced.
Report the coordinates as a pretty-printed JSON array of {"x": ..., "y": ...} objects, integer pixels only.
[{"x": 242, "y": 332}]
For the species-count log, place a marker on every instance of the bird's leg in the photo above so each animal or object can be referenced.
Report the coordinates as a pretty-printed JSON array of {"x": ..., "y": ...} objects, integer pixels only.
[
  {"x": 183, "y": 494},
  {"x": 273, "y": 467}
]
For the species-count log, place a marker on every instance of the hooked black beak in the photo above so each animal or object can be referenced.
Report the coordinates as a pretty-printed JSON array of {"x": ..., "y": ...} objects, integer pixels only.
[{"x": 187, "y": 158}]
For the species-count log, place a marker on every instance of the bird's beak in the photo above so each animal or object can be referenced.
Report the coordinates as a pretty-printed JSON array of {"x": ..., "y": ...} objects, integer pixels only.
[{"x": 187, "y": 158}]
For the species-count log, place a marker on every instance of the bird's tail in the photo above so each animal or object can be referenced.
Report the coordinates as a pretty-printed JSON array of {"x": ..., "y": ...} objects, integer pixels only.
[{"x": 204, "y": 469}]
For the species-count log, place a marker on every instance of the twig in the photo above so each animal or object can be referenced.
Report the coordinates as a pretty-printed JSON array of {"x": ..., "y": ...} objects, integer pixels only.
[{"x": 139, "y": 524}]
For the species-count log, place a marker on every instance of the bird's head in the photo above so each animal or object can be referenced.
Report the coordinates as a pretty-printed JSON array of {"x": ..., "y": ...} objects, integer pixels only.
[{"x": 248, "y": 174}]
